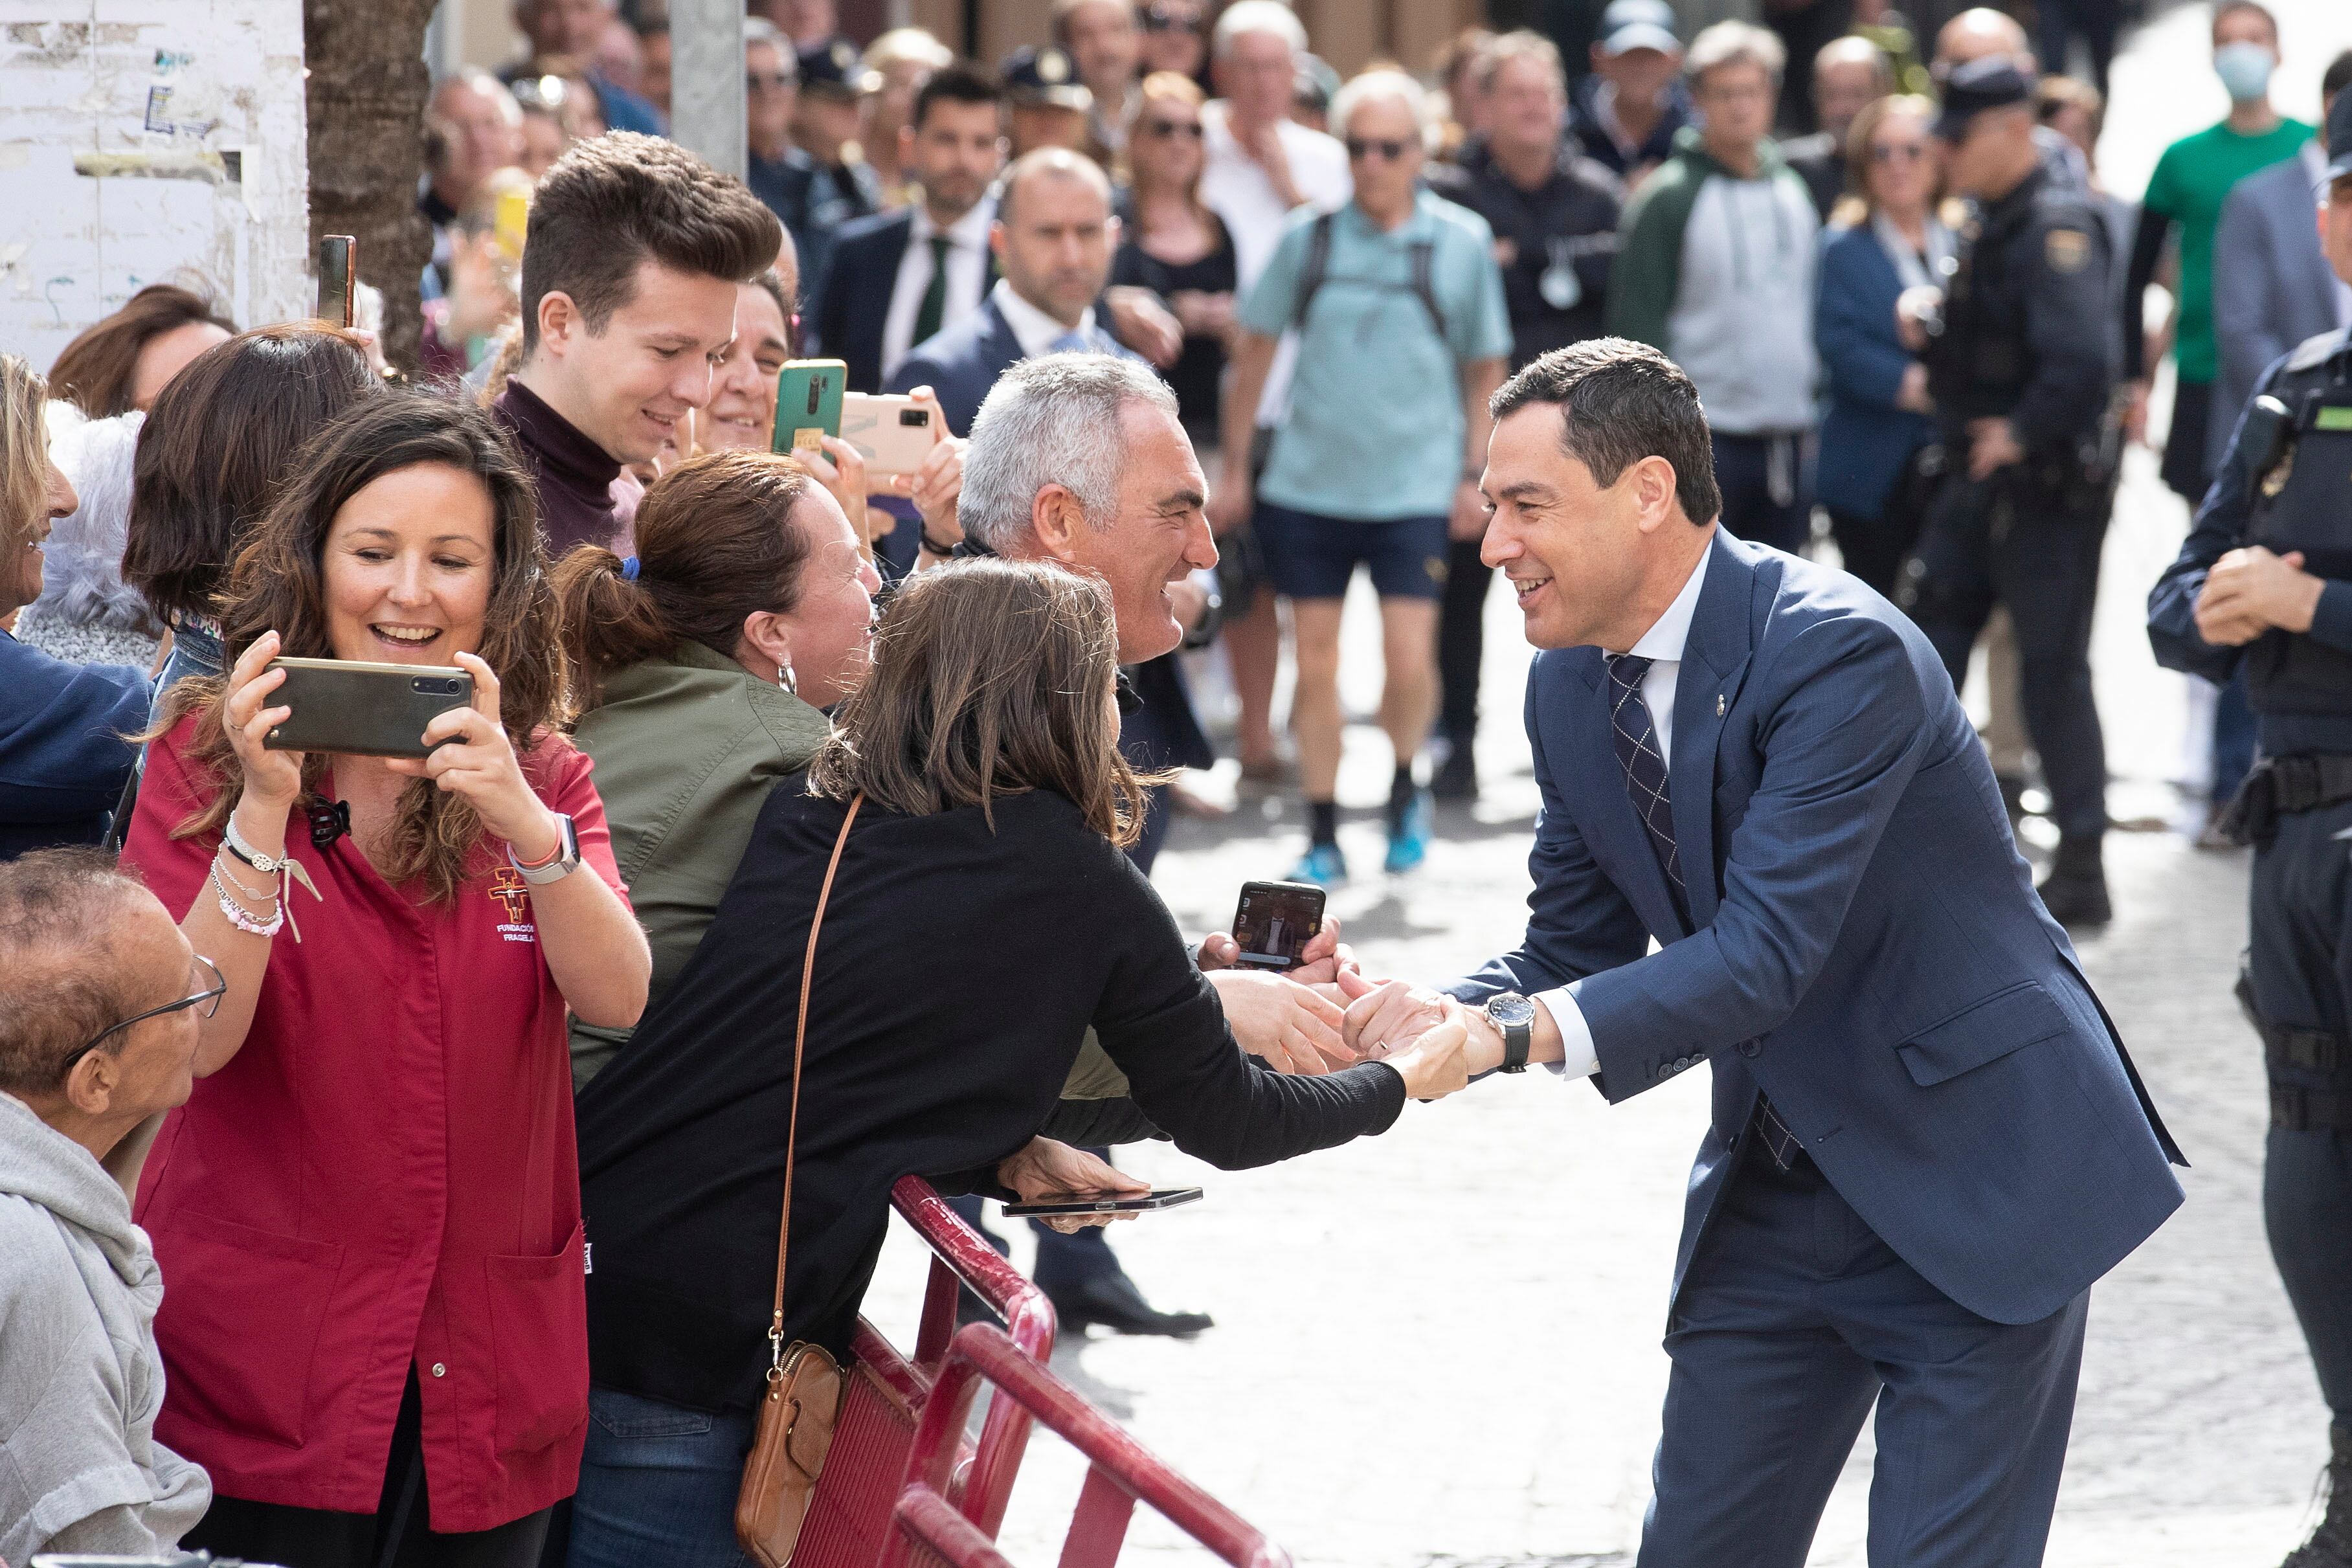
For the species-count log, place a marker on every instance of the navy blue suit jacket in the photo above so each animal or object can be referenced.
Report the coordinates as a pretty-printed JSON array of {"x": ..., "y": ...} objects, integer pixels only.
[
  {"x": 1866, "y": 942},
  {"x": 1866, "y": 439},
  {"x": 861, "y": 275}
]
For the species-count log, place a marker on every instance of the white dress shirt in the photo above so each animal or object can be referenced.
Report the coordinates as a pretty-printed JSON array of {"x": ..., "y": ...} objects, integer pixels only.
[
  {"x": 1662, "y": 644},
  {"x": 1036, "y": 331},
  {"x": 1238, "y": 191},
  {"x": 967, "y": 278}
]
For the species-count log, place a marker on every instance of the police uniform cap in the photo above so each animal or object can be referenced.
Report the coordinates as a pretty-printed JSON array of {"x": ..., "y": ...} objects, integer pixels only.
[
  {"x": 1047, "y": 75},
  {"x": 2339, "y": 140},
  {"x": 1996, "y": 82},
  {"x": 834, "y": 66},
  {"x": 1629, "y": 24}
]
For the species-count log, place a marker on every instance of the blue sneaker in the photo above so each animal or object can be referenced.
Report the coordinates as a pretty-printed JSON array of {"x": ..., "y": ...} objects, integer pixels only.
[
  {"x": 1408, "y": 839},
  {"x": 1322, "y": 864}
]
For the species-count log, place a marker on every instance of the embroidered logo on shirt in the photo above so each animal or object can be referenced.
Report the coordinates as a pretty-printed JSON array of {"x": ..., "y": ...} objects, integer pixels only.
[{"x": 513, "y": 894}]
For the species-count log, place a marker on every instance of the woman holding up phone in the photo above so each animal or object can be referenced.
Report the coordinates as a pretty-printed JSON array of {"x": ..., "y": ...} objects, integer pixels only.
[
  {"x": 369, "y": 1209},
  {"x": 982, "y": 917}
]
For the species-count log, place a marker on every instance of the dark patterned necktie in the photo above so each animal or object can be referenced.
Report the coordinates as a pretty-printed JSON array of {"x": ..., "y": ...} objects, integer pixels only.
[
  {"x": 1646, "y": 767},
  {"x": 933, "y": 309},
  {"x": 1644, "y": 763}
]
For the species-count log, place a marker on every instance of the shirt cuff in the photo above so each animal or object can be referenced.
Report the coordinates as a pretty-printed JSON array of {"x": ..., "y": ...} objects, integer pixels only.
[{"x": 1579, "y": 1057}]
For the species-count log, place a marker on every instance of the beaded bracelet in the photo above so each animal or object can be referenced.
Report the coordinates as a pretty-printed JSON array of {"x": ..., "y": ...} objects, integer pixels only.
[{"x": 236, "y": 916}]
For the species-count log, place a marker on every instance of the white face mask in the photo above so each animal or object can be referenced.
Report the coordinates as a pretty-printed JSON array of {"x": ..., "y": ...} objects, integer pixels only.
[{"x": 2245, "y": 69}]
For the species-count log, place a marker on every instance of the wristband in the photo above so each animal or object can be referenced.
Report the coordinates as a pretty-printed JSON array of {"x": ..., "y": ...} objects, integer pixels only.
[
  {"x": 235, "y": 842},
  {"x": 934, "y": 546}
]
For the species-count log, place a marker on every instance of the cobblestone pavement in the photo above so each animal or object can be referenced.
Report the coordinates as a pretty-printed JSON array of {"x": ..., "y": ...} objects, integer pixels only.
[{"x": 1440, "y": 1347}]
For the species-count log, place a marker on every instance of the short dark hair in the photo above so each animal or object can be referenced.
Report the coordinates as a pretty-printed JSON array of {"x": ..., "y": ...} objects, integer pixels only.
[
  {"x": 964, "y": 82},
  {"x": 1620, "y": 402},
  {"x": 624, "y": 198},
  {"x": 94, "y": 373},
  {"x": 2338, "y": 76},
  {"x": 65, "y": 983},
  {"x": 219, "y": 445}
]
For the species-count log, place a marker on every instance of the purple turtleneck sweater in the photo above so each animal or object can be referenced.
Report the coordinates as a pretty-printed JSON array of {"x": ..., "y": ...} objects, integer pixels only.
[{"x": 575, "y": 474}]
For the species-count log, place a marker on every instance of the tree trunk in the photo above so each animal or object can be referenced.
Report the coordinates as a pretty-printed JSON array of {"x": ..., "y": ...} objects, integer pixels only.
[{"x": 365, "y": 98}]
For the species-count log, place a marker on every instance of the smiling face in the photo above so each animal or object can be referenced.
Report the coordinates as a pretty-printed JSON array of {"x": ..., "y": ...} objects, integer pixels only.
[
  {"x": 627, "y": 386},
  {"x": 408, "y": 567},
  {"x": 1160, "y": 535},
  {"x": 20, "y": 579},
  {"x": 742, "y": 411},
  {"x": 1592, "y": 564},
  {"x": 832, "y": 620}
]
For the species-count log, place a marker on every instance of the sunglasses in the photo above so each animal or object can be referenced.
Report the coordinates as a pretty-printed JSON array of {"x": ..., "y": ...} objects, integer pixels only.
[
  {"x": 1361, "y": 147},
  {"x": 769, "y": 81},
  {"x": 208, "y": 998},
  {"x": 1888, "y": 151},
  {"x": 1168, "y": 130}
]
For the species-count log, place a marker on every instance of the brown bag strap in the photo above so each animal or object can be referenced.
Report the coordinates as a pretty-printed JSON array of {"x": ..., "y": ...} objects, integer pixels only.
[{"x": 793, "y": 1128}]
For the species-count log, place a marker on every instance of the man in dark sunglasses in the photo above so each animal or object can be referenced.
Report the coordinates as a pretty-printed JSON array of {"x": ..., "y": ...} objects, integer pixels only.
[{"x": 98, "y": 1023}]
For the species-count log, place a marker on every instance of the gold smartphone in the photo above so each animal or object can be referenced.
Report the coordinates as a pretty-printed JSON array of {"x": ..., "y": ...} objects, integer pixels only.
[{"x": 360, "y": 709}]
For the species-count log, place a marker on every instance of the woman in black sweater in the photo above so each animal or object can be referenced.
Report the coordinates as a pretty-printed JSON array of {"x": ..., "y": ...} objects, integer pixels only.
[{"x": 982, "y": 917}]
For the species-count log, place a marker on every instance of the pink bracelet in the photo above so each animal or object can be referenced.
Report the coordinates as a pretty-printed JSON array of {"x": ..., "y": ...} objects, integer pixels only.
[{"x": 243, "y": 922}]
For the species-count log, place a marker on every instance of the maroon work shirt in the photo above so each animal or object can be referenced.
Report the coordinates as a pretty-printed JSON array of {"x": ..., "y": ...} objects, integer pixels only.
[{"x": 383, "y": 1176}]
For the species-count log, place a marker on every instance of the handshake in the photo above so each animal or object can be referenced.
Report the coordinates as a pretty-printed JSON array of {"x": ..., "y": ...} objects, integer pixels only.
[{"x": 1325, "y": 1015}]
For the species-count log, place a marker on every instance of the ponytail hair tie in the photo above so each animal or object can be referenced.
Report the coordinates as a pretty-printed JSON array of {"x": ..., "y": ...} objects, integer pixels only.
[{"x": 629, "y": 568}]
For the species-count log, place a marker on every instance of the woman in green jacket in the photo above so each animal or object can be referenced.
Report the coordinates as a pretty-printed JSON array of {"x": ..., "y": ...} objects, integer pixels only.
[{"x": 700, "y": 667}]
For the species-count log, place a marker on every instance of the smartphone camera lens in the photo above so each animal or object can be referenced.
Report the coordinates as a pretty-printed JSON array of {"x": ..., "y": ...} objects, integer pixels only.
[
  {"x": 433, "y": 686},
  {"x": 817, "y": 391},
  {"x": 919, "y": 418}
]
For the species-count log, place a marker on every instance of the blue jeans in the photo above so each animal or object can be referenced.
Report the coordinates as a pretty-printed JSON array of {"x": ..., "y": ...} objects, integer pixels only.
[{"x": 657, "y": 1486}]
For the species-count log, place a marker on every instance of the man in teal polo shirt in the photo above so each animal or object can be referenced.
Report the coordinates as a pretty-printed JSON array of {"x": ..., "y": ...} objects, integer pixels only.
[{"x": 1403, "y": 335}]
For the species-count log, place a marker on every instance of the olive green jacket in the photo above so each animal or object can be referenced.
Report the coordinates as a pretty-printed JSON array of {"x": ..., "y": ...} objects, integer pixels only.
[{"x": 686, "y": 749}]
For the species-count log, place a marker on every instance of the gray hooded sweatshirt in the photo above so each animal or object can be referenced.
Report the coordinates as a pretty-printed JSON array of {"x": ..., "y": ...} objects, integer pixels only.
[{"x": 81, "y": 1379}]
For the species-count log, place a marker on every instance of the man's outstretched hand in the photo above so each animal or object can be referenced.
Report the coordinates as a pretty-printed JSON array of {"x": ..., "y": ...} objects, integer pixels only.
[{"x": 1044, "y": 1171}]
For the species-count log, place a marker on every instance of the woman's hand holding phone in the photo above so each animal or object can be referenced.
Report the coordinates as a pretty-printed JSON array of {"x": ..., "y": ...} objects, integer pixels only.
[
  {"x": 479, "y": 764},
  {"x": 273, "y": 780},
  {"x": 1045, "y": 1169}
]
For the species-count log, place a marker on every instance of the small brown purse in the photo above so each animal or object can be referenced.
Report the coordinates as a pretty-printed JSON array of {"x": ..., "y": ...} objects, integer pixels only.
[{"x": 803, "y": 1396}]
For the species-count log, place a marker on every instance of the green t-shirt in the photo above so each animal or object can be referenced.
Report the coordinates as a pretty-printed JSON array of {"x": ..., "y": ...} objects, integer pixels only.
[{"x": 2189, "y": 182}]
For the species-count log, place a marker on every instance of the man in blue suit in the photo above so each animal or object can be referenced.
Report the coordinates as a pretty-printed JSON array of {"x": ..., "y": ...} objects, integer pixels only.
[
  {"x": 896, "y": 278},
  {"x": 1926, "y": 1141}
]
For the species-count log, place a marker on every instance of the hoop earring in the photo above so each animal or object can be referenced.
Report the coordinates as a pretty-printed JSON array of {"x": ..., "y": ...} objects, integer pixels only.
[{"x": 786, "y": 678}]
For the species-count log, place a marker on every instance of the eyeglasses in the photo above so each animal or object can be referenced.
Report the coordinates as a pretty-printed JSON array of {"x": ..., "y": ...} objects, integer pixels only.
[
  {"x": 1168, "y": 130},
  {"x": 1362, "y": 147},
  {"x": 769, "y": 81},
  {"x": 1162, "y": 19},
  {"x": 208, "y": 998},
  {"x": 1888, "y": 151}
]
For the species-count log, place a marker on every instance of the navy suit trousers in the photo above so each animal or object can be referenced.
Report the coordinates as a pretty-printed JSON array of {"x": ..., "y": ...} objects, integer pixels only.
[{"x": 1793, "y": 1319}]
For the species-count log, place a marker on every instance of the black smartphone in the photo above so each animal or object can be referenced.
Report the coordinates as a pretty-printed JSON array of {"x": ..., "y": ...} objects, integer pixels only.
[
  {"x": 1274, "y": 921},
  {"x": 1158, "y": 1198},
  {"x": 338, "y": 258},
  {"x": 363, "y": 710}
]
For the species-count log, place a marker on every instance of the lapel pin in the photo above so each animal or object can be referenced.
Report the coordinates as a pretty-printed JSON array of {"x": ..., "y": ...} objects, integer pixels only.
[{"x": 1719, "y": 704}]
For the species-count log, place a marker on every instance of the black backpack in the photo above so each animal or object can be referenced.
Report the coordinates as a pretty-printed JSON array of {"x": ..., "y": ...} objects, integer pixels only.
[{"x": 1318, "y": 271}]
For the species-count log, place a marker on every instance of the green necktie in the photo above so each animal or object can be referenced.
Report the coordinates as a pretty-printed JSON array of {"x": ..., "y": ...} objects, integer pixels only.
[{"x": 935, "y": 297}]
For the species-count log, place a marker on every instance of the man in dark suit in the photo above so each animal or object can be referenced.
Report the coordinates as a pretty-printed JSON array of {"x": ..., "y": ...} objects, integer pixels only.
[
  {"x": 897, "y": 277},
  {"x": 1926, "y": 1141}
]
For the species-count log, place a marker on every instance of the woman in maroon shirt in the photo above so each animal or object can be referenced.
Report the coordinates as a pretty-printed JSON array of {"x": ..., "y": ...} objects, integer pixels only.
[{"x": 368, "y": 1214}]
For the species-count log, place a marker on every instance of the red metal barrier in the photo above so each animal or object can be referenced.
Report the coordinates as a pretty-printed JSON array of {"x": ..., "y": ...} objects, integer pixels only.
[
  {"x": 930, "y": 1532},
  {"x": 884, "y": 1396}
]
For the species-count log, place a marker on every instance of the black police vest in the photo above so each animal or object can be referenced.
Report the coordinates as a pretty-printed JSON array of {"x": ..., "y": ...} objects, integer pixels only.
[
  {"x": 2303, "y": 501},
  {"x": 1985, "y": 357}
]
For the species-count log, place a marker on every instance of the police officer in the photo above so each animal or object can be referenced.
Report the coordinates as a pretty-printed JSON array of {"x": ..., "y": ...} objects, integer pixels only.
[
  {"x": 2264, "y": 584},
  {"x": 2020, "y": 356}
]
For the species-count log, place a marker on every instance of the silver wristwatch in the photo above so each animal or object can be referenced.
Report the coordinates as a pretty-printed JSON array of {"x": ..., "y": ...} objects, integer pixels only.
[
  {"x": 1515, "y": 1015},
  {"x": 566, "y": 860}
]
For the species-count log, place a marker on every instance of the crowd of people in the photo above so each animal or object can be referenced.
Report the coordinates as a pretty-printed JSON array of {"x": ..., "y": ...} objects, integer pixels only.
[{"x": 465, "y": 1195}]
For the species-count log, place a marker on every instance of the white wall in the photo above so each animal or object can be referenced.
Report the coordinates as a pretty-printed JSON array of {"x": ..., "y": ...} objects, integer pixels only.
[{"x": 143, "y": 140}]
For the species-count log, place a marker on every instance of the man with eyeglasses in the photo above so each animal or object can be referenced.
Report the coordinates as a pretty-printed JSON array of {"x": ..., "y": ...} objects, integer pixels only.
[
  {"x": 1398, "y": 310},
  {"x": 97, "y": 1032},
  {"x": 779, "y": 173}
]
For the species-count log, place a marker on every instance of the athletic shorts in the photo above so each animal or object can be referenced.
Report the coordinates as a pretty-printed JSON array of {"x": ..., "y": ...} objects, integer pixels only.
[{"x": 1310, "y": 556}]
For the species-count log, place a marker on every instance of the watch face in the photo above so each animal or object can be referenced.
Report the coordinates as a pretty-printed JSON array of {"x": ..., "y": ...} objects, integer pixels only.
[{"x": 1511, "y": 1010}]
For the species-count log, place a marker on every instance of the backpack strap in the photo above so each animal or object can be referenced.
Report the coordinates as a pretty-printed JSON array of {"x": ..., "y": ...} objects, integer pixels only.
[
  {"x": 1424, "y": 284},
  {"x": 1317, "y": 268}
]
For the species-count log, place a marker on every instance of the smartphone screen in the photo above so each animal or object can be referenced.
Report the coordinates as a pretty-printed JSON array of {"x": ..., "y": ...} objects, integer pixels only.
[
  {"x": 335, "y": 279},
  {"x": 1275, "y": 920}
]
